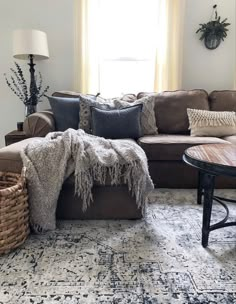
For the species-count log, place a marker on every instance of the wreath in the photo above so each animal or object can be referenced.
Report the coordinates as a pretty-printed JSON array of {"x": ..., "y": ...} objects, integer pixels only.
[{"x": 214, "y": 31}]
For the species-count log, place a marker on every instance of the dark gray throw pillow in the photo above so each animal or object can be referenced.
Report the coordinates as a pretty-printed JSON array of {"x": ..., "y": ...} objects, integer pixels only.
[
  {"x": 117, "y": 123},
  {"x": 66, "y": 112}
]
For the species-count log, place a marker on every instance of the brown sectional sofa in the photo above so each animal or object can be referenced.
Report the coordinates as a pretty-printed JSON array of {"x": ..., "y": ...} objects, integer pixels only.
[{"x": 164, "y": 152}]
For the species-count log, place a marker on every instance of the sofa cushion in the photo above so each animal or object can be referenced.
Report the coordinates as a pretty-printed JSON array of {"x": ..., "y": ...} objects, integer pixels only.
[
  {"x": 10, "y": 159},
  {"x": 172, "y": 147},
  {"x": 71, "y": 94},
  {"x": 223, "y": 100},
  {"x": 129, "y": 97},
  {"x": 86, "y": 103},
  {"x": 211, "y": 123},
  {"x": 144, "y": 94},
  {"x": 171, "y": 109},
  {"x": 148, "y": 120},
  {"x": 117, "y": 123},
  {"x": 66, "y": 112}
]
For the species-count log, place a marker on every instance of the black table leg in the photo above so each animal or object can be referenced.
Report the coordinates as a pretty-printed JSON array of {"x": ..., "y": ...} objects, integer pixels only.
[
  {"x": 208, "y": 183},
  {"x": 200, "y": 189}
]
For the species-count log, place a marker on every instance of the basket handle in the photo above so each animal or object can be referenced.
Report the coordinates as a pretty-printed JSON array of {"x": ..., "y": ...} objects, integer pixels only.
[{"x": 23, "y": 175}]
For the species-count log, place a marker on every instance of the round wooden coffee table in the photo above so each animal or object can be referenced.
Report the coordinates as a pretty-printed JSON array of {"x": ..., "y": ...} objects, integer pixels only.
[{"x": 211, "y": 160}]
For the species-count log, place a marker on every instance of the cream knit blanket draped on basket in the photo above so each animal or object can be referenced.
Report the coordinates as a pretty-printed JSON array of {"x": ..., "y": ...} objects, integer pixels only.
[{"x": 50, "y": 160}]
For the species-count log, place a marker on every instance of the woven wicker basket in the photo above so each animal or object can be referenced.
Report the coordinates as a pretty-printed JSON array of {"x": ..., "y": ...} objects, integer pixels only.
[{"x": 14, "y": 214}]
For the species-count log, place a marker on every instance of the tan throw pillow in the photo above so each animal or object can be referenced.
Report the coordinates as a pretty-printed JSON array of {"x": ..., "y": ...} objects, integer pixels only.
[
  {"x": 85, "y": 114},
  {"x": 148, "y": 119},
  {"x": 211, "y": 123}
]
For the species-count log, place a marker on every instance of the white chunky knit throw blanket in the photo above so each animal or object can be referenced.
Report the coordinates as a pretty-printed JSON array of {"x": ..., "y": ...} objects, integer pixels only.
[{"x": 50, "y": 160}]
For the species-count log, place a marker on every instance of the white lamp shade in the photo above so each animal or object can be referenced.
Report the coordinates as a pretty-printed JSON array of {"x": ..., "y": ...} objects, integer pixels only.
[{"x": 30, "y": 42}]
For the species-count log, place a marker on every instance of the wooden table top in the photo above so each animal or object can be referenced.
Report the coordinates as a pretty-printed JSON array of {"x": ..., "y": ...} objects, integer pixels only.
[
  {"x": 219, "y": 154},
  {"x": 215, "y": 158}
]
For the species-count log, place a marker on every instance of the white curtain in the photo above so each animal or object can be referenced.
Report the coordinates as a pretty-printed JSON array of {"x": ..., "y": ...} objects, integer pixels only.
[
  {"x": 86, "y": 46},
  {"x": 167, "y": 45}
]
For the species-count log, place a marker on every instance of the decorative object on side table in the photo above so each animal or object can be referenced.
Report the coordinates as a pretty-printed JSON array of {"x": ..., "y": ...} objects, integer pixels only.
[
  {"x": 28, "y": 44},
  {"x": 20, "y": 126},
  {"x": 213, "y": 31}
]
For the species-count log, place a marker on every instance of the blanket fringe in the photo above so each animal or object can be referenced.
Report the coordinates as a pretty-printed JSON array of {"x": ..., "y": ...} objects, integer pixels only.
[{"x": 84, "y": 181}]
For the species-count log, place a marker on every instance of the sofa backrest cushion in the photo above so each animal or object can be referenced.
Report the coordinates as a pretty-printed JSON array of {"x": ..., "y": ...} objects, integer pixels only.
[
  {"x": 69, "y": 94},
  {"x": 223, "y": 100},
  {"x": 171, "y": 109}
]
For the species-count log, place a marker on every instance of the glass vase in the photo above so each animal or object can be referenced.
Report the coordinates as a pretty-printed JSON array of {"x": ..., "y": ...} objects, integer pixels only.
[{"x": 30, "y": 109}]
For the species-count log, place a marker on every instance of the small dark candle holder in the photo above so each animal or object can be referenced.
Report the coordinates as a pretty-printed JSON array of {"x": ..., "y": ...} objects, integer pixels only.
[{"x": 19, "y": 126}]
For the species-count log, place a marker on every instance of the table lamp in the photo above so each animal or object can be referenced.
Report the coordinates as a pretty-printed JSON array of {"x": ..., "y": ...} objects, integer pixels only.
[{"x": 30, "y": 45}]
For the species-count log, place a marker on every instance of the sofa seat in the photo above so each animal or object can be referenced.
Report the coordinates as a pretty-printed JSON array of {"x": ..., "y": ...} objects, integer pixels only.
[
  {"x": 171, "y": 147},
  {"x": 10, "y": 159}
]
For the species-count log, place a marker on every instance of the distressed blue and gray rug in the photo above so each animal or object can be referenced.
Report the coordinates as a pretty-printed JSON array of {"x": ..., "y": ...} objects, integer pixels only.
[{"x": 155, "y": 260}]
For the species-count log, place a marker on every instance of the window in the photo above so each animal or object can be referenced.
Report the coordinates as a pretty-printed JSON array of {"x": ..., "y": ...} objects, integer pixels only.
[
  {"x": 128, "y": 30},
  {"x": 125, "y": 46}
]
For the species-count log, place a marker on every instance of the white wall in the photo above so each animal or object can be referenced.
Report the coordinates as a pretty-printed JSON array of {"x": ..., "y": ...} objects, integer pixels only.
[
  {"x": 55, "y": 17},
  {"x": 203, "y": 68}
]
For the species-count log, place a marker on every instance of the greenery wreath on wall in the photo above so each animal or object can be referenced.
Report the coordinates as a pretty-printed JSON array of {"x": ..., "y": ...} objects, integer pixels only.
[{"x": 214, "y": 31}]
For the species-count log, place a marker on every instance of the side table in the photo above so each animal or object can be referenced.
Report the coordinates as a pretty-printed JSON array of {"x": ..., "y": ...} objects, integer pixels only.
[{"x": 14, "y": 136}]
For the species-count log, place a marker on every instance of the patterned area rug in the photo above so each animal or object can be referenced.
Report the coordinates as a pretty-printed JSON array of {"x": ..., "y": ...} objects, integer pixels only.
[{"x": 155, "y": 260}]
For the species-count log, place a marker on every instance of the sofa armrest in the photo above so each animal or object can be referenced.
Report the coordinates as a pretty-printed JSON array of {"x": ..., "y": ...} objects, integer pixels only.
[
  {"x": 10, "y": 159},
  {"x": 39, "y": 124}
]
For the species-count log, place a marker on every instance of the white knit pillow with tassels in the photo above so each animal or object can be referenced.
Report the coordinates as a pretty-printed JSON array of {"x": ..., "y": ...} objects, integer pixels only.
[{"x": 211, "y": 123}]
